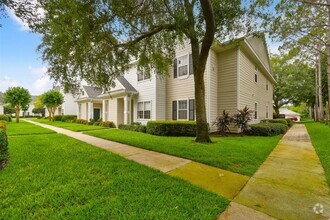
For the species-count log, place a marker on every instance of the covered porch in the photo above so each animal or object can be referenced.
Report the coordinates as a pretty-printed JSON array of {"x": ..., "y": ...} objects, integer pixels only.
[{"x": 89, "y": 109}]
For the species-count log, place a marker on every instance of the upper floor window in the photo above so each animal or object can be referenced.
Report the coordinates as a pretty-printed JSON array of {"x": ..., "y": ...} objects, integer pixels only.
[
  {"x": 183, "y": 66},
  {"x": 266, "y": 84},
  {"x": 142, "y": 76},
  {"x": 256, "y": 74},
  {"x": 144, "y": 110}
]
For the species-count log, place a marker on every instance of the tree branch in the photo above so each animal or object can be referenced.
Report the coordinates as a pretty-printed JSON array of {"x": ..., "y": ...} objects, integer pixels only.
[{"x": 312, "y": 3}]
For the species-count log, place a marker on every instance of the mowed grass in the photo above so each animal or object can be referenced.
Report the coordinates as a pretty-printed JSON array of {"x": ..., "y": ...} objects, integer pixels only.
[
  {"x": 25, "y": 128},
  {"x": 320, "y": 136},
  {"x": 69, "y": 126},
  {"x": 237, "y": 154},
  {"x": 53, "y": 176}
]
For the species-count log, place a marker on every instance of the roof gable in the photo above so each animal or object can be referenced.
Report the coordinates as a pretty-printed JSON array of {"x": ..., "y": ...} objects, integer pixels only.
[
  {"x": 259, "y": 46},
  {"x": 92, "y": 92}
]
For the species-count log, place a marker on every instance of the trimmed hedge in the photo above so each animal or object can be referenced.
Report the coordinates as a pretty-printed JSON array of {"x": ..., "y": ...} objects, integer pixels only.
[
  {"x": 69, "y": 118},
  {"x": 108, "y": 124},
  {"x": 3, "y": 144},
  {"x": 133, "y": 127},
  {"x": 282, "y": 121},
  {"x": 267, "y": 129},
  {"x": 5, "y": 118},
  {"x": 58, "y": 117},
  {"x": 81, "y": 121},
  {"x": 172, "y": 128}
]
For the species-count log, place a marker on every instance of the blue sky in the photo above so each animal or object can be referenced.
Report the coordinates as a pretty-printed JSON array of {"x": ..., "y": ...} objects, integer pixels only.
[{"x": 21, "y": 64}]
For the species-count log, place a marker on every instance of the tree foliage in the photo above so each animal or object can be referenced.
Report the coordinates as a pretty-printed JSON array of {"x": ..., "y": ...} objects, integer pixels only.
[
  {"x": 295, "y": 81},
  {"x": 40, "y": 111},
  {"x": 18, "y": 97},
  {"x": 52, "y": 100},
  {"x": 8, "y": 109},
  {"x": 96, "y": 40}
]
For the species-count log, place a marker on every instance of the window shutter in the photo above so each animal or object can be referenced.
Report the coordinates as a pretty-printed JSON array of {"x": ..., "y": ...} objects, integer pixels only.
[
  {"x": 191, "y": 67},
  {"x": 191, "y": 109},
  {"x": 174, "y": 110},
  {"x": 175, "y": 68}
]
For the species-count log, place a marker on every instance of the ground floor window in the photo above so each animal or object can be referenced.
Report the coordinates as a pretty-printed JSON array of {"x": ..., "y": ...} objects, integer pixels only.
[
  {"x": 255, "y": 110},
  {"x": 144, "y": 110},
  {"x": 267, "y": 114},
  {"x": 183, "y": 109}
]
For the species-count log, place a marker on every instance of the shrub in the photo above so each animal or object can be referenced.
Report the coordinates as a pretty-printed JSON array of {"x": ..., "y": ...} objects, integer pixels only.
[
  {"x": 242, "y": 118},
  {"x": 107, "y": 124},
  {"x": 222, "y": 122},
  {"x": 266, "y": 129},
  {"x": 10, "y": 118},
  {"x": 133, "y": 127},
  {"x": 58, "y": 117},
  {"x": 69, "y": 118},
  {"x": 3, "y": 144},
  {"x": 282, "y": 121},
  {"x": 172, "y": 128},
  {"x": 289, "y": 121},
  {"x": 91, "y": 121},
  {"x": 5, "y": 118},
  {"x": 81, "y": 121},
  {"x": 96, "y": 123}
]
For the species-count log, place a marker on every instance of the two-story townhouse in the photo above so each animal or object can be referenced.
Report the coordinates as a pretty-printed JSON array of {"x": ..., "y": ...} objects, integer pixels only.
[{"x": 237, "y": 74}]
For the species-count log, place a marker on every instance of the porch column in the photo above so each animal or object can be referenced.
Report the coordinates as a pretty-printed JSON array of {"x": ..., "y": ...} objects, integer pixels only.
[
  {"x": 90, "y": 111},
  {"x": 127, "y": 107},
  {"x": 104, "y": 110}
]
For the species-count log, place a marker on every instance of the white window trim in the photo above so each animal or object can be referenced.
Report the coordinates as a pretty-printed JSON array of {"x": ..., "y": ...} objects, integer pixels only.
[
  {"x": 177, "y": 67},
  {"x": 137, "y": 111},
  {"x": 177, "y": 109}
]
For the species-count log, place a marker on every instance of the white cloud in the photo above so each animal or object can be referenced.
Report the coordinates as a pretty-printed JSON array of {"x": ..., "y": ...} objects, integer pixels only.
[
  {"x": 23, "y": 26},
  {"x": 41, "y": 85},
  {"x": 38, "y": 71},
  {"x": 6, "y": 82}
]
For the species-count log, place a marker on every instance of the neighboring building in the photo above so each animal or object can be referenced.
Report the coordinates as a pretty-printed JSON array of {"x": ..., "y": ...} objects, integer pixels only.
[
  {"x": 237, "y": 74},
  {"x": 31, "y": 107},
  {"x": 290, "y": 114},
  {"x": 1, "y": 104}
]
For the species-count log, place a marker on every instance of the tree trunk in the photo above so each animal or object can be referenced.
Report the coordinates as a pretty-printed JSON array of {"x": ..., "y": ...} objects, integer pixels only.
[
  {"x": 319, "y": 85},
  {"x": 17, "y": 113},
  {"x": 50, "y": 113},
  {"x": 316, "y": 106}
]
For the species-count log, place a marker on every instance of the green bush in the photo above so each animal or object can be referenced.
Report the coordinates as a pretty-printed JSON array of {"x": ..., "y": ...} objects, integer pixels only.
[
  {"x": 133, "y": 127},
  {"x": 266, "y": 129},
  {"x": 3, "y": 144},
  {"x": 172, "y": 128},
  {"x": 289, "y": 121},
  {"x": 107, "y": 124},
  {"x": 81, "y": 121},
  {"x": 69, "y": 118},
  {"x": 96, "y": 123},
  {"x": 282, "y": 121},
  {"x": 5, "y": 118},
  {"x": 9, "y": 117},
  {"x": 91, "y": 122},
  {"x": 58, "y": 117}
]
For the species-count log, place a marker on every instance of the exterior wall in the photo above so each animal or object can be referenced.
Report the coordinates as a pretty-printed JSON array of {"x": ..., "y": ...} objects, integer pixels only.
[
  {"x": 260, "y": 49},
  {"x": 69, "y": 106},
  {"x": 227, "y": 81},
  {"x": 120, "y": 111},
  {"x": 160, "y": 98},
  {"x": 212, "y": 87},
  {"x": 1, "y": 109},
  {"x": 179, "y": 88},
  {"x": 84, "y": 110},
  {"x": 112, "y": 112},
  {"x": 251, "y": 92}
]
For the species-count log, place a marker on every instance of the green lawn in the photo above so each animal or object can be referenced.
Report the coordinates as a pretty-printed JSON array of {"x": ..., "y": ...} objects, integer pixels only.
[
  {"x": 238, "y": 154},
  {"x": 69, "y": 126},
  {"x": 53, "y": 176},
  {"x": 320, "y": 136},
  {"x": 25, "y": 128}
]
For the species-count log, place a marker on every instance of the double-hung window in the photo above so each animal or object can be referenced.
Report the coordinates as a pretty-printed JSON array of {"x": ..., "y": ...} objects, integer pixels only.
[
  {"x": 142, "y": 76},
  {"x": 144, "y": 110},
  {"x": 255, "y": 110},
  {"x": 183, "y": 109},
  {"x": 183, "y": 66}
]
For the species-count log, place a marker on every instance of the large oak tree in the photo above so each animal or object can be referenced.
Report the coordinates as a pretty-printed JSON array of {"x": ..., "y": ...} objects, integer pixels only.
[{"x": 96, "y": 40}]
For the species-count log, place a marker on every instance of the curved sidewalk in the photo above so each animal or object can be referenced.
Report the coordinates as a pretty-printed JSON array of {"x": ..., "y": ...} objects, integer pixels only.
[
  {"x": 290, "y": 184},
  {"x": 221, "y": 182}
]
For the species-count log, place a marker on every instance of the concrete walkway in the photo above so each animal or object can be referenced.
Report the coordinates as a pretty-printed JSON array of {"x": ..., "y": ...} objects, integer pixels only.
[
  {"x": 290, "y": 184},
  {"x": 221, "y": 182}
]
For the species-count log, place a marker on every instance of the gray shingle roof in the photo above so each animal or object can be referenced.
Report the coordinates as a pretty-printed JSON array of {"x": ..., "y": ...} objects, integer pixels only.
[
  {"x": 93, "y": 92},
  {"x": 128, "y": 87}
]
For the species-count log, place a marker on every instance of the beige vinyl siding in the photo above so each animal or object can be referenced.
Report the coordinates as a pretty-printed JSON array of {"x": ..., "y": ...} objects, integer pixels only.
[
  {"x": 160, "y": 100},
  {"x": 261, "y": 50},
  {"x": 83, "y": 110},
  {"x": 227, "y": 81},
  {"x": 252, "y": 92},
  {"x": 112, "y": 112},
  {"x": 213, "y": 87},
  {"x": 179, "y": 88},
  {"x": 120, "y": 111}
]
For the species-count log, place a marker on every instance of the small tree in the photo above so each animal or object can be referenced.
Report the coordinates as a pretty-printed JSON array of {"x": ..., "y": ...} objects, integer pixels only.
[
  {"x": 222, "y": 122},
  {"x": 8, "y": 109},
  {"x": 52, "y": 99},
  {"x": 17, "y": 97},
  {"x": 24, "y": 109},
  {"x": 242, "y": 118}
]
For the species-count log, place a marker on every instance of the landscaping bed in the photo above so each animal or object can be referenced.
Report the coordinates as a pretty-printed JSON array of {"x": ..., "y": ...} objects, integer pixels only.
[{"x": 52, "y": 176}]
